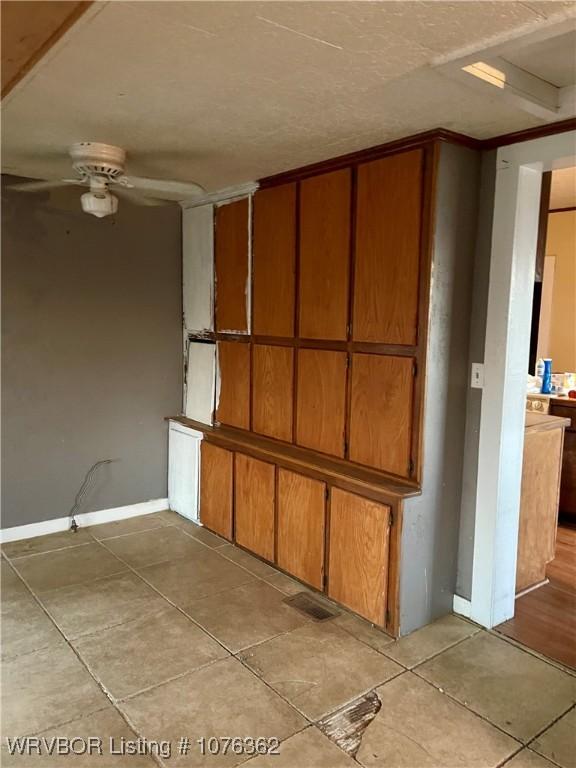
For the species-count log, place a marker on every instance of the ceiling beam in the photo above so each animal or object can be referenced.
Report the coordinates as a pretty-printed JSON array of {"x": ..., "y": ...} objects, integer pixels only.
[{"x": 29, "y": 30}]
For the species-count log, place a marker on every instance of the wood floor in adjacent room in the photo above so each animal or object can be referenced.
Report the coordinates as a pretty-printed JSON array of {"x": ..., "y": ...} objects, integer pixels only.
[{"x": 545, "y": 619}]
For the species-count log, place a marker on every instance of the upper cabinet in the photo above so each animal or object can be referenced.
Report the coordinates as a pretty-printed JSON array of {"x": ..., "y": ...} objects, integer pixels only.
[
  {"x": 387, "y": 249},
  {"x": 231, "y": 266},
  {"x": 274, "y": 261},
  {"x": 197, "y": 268},
  {"x": 325, "y": 255}
]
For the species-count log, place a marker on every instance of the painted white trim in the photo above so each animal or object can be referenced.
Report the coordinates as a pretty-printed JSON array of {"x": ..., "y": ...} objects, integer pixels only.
[
  {"x": 501, "y": 432},
  {"x": 222, "y": 196},
  {"x": 461, "y": 606},
  {"x": 86, "y": 518}
]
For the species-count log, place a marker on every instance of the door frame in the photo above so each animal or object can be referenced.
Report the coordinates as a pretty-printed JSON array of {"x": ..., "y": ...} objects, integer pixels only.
[{"x": 519, "y": 169}]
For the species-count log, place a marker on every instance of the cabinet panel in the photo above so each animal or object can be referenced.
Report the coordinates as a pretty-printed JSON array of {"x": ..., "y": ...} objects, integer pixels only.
[
  {"x": 321, "y": 397},
  {"x": 301, "y": 520},
  {"x": 381, "y": 412},
  {"x": 216, "y": 479},
  {"x": 231, "y": 261},
  {"x": 274, "y": 260},
  {"x": 198, "y": 268},
  {"x": 359, "y": 550},
  {"x": 388, "y": 221},
  {"x": 324, "y": 255},
  {"x": 254, "y": 505},
  {"x": 234, "y": 368},
  {"x": 272, "y": 391}
]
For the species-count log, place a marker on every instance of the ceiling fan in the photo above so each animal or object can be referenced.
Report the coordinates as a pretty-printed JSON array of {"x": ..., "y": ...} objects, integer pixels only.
[{"x": 101, "y": 167}]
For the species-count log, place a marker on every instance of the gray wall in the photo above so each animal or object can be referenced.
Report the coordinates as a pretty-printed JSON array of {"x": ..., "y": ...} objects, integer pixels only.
[
  {"x": 476, "y": 355},
  {"x": 91, "y": 353},
  {"x": 431, "y": 521}
]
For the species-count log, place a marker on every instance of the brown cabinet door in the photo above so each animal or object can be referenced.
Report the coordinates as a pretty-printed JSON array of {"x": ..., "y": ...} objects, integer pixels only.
[
  {"x": 254, "y": 505},
  {"x": 388, "y": 222},
  {"x": 301, "y": 521},
  {"x": 321, "y": 396},
  {"x": 324, "y": 255},
  {"x": 272, "y": 391},
  {"x": 359, "y": 549},
  {"x": 234, "y": 371},
  {"x": 381, "y": 412},
  {"x": 274, "y": 260},
  {"x": 231, "y": 265},
  {"x": 216, "y": 489}
]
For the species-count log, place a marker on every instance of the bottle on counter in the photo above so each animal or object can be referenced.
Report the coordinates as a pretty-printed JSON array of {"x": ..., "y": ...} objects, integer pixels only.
[
  {"x": 547, "y": 377},
  {"x": 539, "y": 372}
]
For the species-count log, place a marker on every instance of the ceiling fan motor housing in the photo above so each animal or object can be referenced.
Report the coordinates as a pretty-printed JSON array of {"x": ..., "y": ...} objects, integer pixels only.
[{"x": 92, "y": 159}]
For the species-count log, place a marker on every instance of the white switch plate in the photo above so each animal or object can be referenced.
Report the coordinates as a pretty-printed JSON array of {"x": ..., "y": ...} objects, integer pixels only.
[{"x": 477, "y": 376}]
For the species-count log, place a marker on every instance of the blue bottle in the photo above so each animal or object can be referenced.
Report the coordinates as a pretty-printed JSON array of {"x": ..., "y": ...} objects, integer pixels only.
[{"x": 547, "y": 377}]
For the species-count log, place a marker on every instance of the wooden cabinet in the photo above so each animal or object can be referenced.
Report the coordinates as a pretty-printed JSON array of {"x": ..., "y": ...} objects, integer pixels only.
[
  {"x": 388, "y": 225},
  {"x": 274, "y": 261},
  {"x": 321, "y": 400},
  {"x": 359, "y": 550},
  {"x": 567, "y": 409},
  {"x": 301, "y": 526},
  {"x": 272, "y": 391},
  {"x": 231, "y": 266},
  {"x": 381, "y": 412},
  {"x": 233, "y": 407},
  {"x": 216, "y": 478},
  {"x": 324, "y": 255},
  {"x": 254, "y": 505},
  {"x": 540, "y": 488}
]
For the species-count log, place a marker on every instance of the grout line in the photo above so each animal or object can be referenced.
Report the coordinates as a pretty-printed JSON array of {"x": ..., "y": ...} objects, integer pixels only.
[
  {"x": 48, "y": 551},
  {"x": 552, "y": 723}
]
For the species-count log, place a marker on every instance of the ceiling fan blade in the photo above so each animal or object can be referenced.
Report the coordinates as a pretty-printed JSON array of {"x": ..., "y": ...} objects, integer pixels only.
[
  {"x": 38, "y": 186},
  {"x": 134, "y": 197},
  {"x": 166, "y": 189}
]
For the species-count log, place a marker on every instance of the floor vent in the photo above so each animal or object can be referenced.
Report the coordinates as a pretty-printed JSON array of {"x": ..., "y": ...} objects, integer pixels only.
[{"x": 311, "y": 606}]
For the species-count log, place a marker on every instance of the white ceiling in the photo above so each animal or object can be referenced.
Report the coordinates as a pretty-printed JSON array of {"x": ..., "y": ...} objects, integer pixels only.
[{"x": 225, "y": 92}]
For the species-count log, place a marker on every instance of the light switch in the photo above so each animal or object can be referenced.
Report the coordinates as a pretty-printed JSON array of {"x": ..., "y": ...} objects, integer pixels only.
[{"x": 477, "y": 377}]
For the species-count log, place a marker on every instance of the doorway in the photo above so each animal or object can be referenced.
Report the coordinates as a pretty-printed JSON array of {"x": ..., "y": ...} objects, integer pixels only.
[{"x": 519, "y": 169}]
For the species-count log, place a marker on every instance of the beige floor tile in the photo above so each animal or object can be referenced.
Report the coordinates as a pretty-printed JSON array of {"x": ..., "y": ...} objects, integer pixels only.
[
  {"x": 558, "y": 743},
  {"x": 429, "y": 641},
  {"x": 49, "y": 543},
  {"x": 528, "y": 759},
  {"x": 187, "y": 579},
  {"x": 152, "y": 649},
  {"x": 107, "y": 726},
  {"x": 319, "y": 667},
  {"x": 307, "y": 749},
  {"x": 151, "y": 547},
  {"x": 364, "y": 631},
  {"x": 85, "y": 608},
  {"x": 67, "y": 566},
  {"x": 25, "y": 627},
  {"x": 201, "y": 534},
  {"x": 511, "y": 688},
  {"x": 246, "y": 560},
  {"x": 285, "y": 583},
  {"x": 419, "y": 726},
  {"x": 224, "y": 699},
  {"x": 130, "y": 525},
  {"x": 43, "y": 689},
  {"x": 11, "y": 585},
  {"x": 246, "y": 615}
]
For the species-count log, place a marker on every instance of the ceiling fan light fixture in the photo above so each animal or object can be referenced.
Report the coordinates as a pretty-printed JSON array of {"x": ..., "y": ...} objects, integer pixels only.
[{"x": 99, "y": 204}]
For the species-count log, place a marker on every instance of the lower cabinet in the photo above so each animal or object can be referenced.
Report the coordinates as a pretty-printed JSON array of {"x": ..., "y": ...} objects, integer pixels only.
[
  {"x": 359, "y": 549},
  {"x": 301, "y": 526},
  {"x": 254, "y": 505},
  {"x": 216, "y": 489},
  {"x": 282, "y": 516}
]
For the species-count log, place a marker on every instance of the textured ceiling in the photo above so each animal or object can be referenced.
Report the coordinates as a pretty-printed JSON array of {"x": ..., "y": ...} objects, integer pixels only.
[{"x": 225, "y": 92}]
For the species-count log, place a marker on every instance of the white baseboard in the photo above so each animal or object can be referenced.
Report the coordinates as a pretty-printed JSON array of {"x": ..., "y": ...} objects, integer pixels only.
[
  {"x": 84, "y": 519},
  {"x": 461, "y": 606}
]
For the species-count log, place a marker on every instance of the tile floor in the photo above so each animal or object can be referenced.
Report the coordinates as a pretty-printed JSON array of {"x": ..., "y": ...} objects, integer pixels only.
[{"x": 155, "y": 629}]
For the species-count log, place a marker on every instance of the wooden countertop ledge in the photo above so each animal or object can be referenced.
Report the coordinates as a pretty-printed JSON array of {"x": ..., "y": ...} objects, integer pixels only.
[
  {"x": 365, "y": 481},
  {"x": 540, "y": 421}
]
